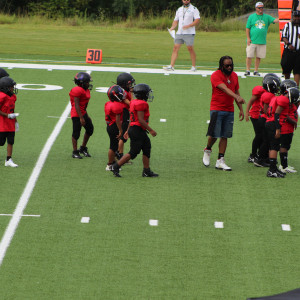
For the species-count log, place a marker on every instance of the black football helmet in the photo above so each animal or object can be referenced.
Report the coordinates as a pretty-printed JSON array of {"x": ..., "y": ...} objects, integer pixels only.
[
  {"x": 3, "y": 73},
  {"x": 83, "y": 80},
  {"x": 116, "y": 93},
  {"x": 8, "y": 86},
  {"x": 294, "y": 95},
  {"x": 271, "y": 84},
  {"x": 143, "y": 91},
  {"x": 286, "y": 84},
  {"x": 125, "y": 81}
]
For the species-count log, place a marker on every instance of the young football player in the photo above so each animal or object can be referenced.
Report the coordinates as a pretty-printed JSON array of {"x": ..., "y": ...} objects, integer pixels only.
[
  {"x": 271, "y": 85},
  {"x": 126, "y": 82},
  {"x": 113, "y": 116},
  {"x": 139, "y": 140},
  {"x": 287, "y": 131},
  {"x": 79, "y": 98},
  {"x": 276, "y": 116},
  {"x": 8, "y": 117}
]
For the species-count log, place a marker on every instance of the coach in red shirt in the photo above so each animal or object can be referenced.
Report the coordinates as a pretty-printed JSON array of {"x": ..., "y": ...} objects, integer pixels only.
[{"x": 225, "y": 90}]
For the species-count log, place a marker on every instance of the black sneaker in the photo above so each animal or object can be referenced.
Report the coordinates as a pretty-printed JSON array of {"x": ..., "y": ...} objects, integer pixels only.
[
  {"x": 84, "y": 151},
  {"x": 258, "y": 162},
  {"x": 256, "y": 73},
  {"x": 149, "y": 173},
  {"x": 115, "y": 169},
  {"x": 280, "y": 172},
  {"x": 251, "y": 158},
  {"x": 247, "y": 73},
  {"x": 274, "y": 174},
  {"x": 76, "y": 154},
  {"x": 118, "y": 155}
]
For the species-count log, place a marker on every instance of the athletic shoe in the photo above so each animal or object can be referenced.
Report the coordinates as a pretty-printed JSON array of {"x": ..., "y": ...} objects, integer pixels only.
[
  {"x": 206, "y": 157},
  {"x": 168, "y": 68},
  {"x": 258, "y": 162},
  {"x": 108, "y": 167},
  {"x": 220, "y": 165},
  {"x": 149, "y": 173},
  {"x": 251, "y": 158},
  {"x": 10, "y": 163},
  {"x": 76, "y": 154},
  {"x": 274, "y": 174},
  {"x": 247, "y": 73},
  {"x": 193, "y": 69},
  {"x": 287, "y": 169},
  {"x": 84, "y": 151},
  {"x": 115, "y": 169},
  {"x": 256, "y": 73}
]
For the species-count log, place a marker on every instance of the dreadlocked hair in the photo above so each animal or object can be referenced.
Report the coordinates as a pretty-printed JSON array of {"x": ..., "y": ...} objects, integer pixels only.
[{"x": 221, "y": 61}]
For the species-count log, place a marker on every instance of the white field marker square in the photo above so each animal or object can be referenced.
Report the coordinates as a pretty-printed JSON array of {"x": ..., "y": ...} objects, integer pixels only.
[
  {"x": 286, "y": 227},
  {"x": 153, "y": 222},
  {"x": 85, "y": 220},
  {"x": 219, "y": 225},
  {"x": 163, "y": 120}
]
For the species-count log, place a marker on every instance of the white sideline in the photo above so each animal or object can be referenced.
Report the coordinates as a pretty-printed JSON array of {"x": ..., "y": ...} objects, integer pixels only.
[{"x": 18, "y": 213}]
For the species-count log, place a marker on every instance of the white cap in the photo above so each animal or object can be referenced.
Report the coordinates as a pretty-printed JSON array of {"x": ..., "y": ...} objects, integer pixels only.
[{"x": 258, "y": 4}]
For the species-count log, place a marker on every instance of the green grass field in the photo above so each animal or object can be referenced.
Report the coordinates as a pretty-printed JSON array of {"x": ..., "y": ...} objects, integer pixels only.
[{"x": 118, "y": 255}]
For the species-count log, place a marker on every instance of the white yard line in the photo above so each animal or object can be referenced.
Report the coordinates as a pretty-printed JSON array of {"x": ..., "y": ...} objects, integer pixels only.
[{"x": 18, "y": 213}]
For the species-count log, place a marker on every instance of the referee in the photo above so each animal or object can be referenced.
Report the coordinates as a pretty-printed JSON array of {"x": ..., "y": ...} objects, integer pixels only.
[{"x": 290, "y": 60}]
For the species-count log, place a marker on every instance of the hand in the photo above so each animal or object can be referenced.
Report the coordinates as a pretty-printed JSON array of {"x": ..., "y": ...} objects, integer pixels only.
[
  {"x": 125, "y": 135},
  {"x": 120, "y": 134},
  {"x": 185, "y": 27},
  {"x": 248, "y": 42},
  {"x": 277, "y": 134},
  {"x": 153, "y": 132},
  {"x": 13, "y": 115},
  {"x": 241, "y": 115},
  {"x": 240, "y": 100},
  {"x": 247, "y": 116},
  {"x": 82, "y": 121},
  {"x": 17, "y": 127}
]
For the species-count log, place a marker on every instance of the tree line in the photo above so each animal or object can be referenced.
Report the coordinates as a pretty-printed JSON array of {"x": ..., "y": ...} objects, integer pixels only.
[{"x": 104, "y": 9}]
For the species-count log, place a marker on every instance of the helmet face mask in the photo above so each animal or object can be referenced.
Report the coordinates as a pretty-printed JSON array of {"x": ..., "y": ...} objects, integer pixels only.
[
  {"x": 126, "y": 81},
  {"x": 116, "y": 93},
  {"x": 83, "y": 80},
  {"x": 8, "y": 86},
  {"x": 286, "y": 84},
  {"x": 143, "y": 91}
]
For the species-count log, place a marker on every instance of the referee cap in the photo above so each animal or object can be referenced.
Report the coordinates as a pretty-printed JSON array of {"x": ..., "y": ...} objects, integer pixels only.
[
  {"x": 258, "y": 4},
  {"x": 296, "y": 13}
]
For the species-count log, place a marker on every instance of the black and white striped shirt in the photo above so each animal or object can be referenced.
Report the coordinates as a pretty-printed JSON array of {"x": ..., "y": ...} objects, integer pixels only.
[{"x": 291, "y": 32}]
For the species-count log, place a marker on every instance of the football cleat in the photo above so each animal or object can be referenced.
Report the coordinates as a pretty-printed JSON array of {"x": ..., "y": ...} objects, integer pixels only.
[
  {"x": 258, "y": 162},
  {"x": 84, "y": 151},
  {"x": 10, "y": 163},
  {"x": 206, "y": 157},
  {"x": 168, "y": 68},
  {"x": 251, "y": 158},
  {"x": 108, "y": 167},
  {"x": 149, "y": 173},
  {"x": 247, "y": 73},
  {"x": 288, "y": 169},
  {"x": 115, "y": 169},
  {"x": 274, "y": 174},
  {"x": 76, "y": 154},
  {"x": 221, "y": 165}
]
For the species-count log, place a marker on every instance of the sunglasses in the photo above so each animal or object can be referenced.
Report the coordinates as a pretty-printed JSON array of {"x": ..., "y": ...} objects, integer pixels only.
[
  {"x": 260, "y": 7},
  {"x": 186, "y": 0},
  {"x": 229, "y": 65}
]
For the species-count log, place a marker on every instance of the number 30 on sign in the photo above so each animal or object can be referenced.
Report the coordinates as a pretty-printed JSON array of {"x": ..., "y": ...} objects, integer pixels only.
[{"x": 94, "y": 56}]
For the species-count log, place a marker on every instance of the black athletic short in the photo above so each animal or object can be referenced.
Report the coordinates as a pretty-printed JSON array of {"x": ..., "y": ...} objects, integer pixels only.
[
  {"x": 7, "y": 136},
  {"x": 271, "y": 131},
  {"x": 286, "y": 140},
  {"x": 113, "y": 131},
  {"x": 89, "y": 127},
  {"x": 290, "y": 61},
  {"x": 139, "y": 140}
]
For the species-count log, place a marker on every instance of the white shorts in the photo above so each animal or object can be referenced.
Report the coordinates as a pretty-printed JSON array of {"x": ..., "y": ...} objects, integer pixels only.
[{"x": 258, "y": 50}]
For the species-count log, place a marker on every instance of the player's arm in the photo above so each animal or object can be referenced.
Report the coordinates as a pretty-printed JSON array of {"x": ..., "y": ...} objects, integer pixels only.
[
  {"x": 291, "y": 121},
  {"x": 119, "y": 125},
  {"x": 77, "y": 107},
  {"x": 140, "y": 115},
  {"x": 240, "y": 106},
  {"x": 248, "y": 36},
  {"x": 249, "y": 104},
  {"x": 278, "y": 111},
  {"x": 229, "y": 92}
]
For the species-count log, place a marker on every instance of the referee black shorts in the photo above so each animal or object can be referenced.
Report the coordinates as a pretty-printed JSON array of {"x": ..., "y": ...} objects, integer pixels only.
[{"x": 290, "y": 61}]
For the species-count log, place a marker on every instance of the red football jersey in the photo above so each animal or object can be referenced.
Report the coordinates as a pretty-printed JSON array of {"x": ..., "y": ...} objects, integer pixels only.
[
  {"x": 7, "y": 105},
  {"x": 112, "y": 109},
  {"x": 288, "y": 127},
  {"x": 220, "y": 100},
  {"x": 278, "y": 101},
  {"x": 254, "y": 111},
  {"x": 84, "y": 98},
  {"x": 135, "y": 106},
  {"x": 265, "y": 99},
  {"x": 128, "y": 97}
]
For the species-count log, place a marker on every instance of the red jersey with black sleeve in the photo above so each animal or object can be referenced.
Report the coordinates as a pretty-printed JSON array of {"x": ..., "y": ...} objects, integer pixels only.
[
  {"x": 254, "y": 111},
  {"x": 219, "y": 99},
  {"x": 135, "y": 106},
  {"x": 265, "y": 99},
  {"x": 112, "y": 109},
  {"x": 7, "y": 105},
  {"x": 288, "y": 127},
  {"x": 275, "y": 102},
  {"x": 84, "y": 98}
]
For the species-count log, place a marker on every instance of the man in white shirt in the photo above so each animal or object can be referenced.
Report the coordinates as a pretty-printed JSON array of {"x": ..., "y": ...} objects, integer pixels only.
[{"x": 187, "y": 17}]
